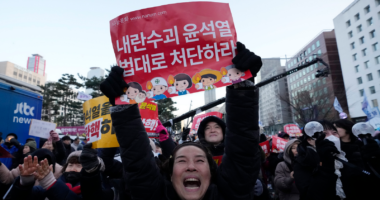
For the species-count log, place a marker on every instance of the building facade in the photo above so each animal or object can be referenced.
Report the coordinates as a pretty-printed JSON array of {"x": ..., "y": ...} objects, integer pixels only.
[
  {"x": 274, "y": 112},
  {"x": 20, "y": 73},
  {"x": 357, "y": 31},
  {"x": 312, "y": 98},
  {"x": 36, "y": 64}
]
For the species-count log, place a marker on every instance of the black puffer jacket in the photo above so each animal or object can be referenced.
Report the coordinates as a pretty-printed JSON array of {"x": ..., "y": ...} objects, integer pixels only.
[{"x": 237, "y": 174}]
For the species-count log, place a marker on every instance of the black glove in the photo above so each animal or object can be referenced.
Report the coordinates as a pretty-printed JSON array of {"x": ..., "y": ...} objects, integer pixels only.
[
  {"x": 370, "y": 150},
  {"x": 114, "y": 84},
  {"x": 325, "y": 150},
  {"x": 246, "y": 60},
  {"x": 14, "y": 142},
  {"x": 185, "y": 133},
  {"x": 89, "y": 157}
]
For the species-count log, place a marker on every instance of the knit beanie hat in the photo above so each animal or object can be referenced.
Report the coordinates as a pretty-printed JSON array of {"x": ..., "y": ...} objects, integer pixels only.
[
  {"x": 66, "y": 137},
  {"x": 32, "y": 145},
  {"x": 74, "y": 153}
]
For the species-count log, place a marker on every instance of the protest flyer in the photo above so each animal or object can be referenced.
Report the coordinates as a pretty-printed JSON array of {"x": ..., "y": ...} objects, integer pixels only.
[
  {"x": 175, "y": 50},
  {"x": 198, "y": 119},
  {"x": 149, "y": 117},
  {"x": 265, "y": 147},
  {"x": 41, "y": 128},
  {"x": 278, "y": 144},
  {"x": 292, "y": 130}
]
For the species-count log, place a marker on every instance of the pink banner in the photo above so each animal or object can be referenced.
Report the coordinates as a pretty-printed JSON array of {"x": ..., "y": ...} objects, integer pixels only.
[{"x": 72, "y": 130}]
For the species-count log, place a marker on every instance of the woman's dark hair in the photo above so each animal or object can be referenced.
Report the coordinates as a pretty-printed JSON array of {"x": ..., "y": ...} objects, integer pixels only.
[
  {"x": 135, "y": 85},
  {"x": 327, "y": 125},
  {"x": 346, "y": 125},
  {"x": 73, "y": 160},
  {"x": 184, "y": 77},
  {"x": 169, "y": 163},
  {"x": 208, "y": 76}
]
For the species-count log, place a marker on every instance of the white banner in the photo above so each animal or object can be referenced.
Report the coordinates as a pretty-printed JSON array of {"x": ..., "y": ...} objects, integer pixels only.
[
  {"x": 40, "y": 128},
  {"x": 337, "y": 106},
  {"x": 83, "y": 96}
]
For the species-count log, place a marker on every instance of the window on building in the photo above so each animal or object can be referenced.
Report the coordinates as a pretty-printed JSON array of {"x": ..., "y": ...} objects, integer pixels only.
[
  {"x": 348, "y": 23},
  {"x": 25, "y": 77},
  {"x": 374, "y": 103},
  {"x": 319, "y": 52},
  {"x": 357, "y": 17},
  {"x": 324, "y": 80},
  {"x": 369, "y": 77},
  {"x": 30, "y": 79},
  {"x": 350, "y": 34},
  {"x": 20, "y": 75},
  {"x": 357, "y": 68},
  {"x": 369, "y": 21},
  {"x": 313, "y": 47},
  {"x": 362, "y": 40},
  {"x": 354, "y": 57},
  {"x": 367, "y": 9},
  {"x": 38, "y": 82},
  {"x": 372, "y": 90},
  {"x": 377, "y": 60},
  {"x": 366, "y": 64},
  {"x": 325, "y": 90},
  {"x": 303, "y": 72},
  {"x": 308, "y": 50},
  {"x": 319, "y": 83},
  {"x": 364, "y": 52},
  {"x": 307, "y": 70},
  {"x": 353, "y": 45},
  {"x": 375, "y": 46},
  {"x": 372, "y": 34},
  {"x": 34, "y": 80},
  {"x": 15, "y": 73},
  {"x": 359, "y": 28},
  {"x": 311, "y": 68},
  {"x": 361, "y": 92},
  {"x": 317, "y": 43},
  {"x": 360, "y": 81},
  {"x": 378, "y": 72}
]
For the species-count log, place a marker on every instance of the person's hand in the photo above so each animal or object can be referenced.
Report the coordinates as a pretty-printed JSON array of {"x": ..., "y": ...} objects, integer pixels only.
[
  {"x": 292, "y": 174},
  {"x": 113, "y": 86},
  {"x": 89, "y": 157},
  {"x": 29, "y": 167},
  {"x": 258, "y": 190},
  {"x": 185, "y": 133},
  {"x": 247, "y": 60},
  {"x": 43, "y": 169},
  {"x": 53, "y": 136},
  {"x": 14, "y": 142}
]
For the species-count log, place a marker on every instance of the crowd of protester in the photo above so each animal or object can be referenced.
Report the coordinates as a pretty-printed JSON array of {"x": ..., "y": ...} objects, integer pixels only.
[{"x": 327, "y": 162}]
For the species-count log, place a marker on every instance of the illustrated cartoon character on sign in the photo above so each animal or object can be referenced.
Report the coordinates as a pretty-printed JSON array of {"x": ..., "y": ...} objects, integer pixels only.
[
  {"x": 231, "y": 74},
  {"x": 180, "y": 83},
  {"x": 157, "y": 86},
  {"x": 206, "y": 79},
  {"x": 134, "y": 94}
]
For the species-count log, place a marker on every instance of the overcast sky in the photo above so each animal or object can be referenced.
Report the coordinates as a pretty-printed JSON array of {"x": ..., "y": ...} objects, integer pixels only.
[{"x": 74, "y": 35}]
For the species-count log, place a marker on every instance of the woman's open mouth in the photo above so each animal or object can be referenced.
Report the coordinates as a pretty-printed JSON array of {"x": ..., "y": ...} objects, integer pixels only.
[{"x": 191, "y": 184}]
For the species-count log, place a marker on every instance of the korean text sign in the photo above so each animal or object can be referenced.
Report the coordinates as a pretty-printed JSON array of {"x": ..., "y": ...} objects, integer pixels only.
[
  {"x": 278, "y": 144},
  {"x": 265, "y": 147},
  {"x": 175, "y": 49},
  {"x": 198, "y": 119},
  {"x": 292, "y": 130},
  {"x": 149, "y": 117},
  {"x": 98, "y": 124},
  {"x": 40, "y": 128}
]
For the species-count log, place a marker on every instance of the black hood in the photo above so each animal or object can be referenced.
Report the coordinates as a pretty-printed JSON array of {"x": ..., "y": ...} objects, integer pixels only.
[
  {"x": 45, "y": 153},
  {"x": 205, "y": 121}
]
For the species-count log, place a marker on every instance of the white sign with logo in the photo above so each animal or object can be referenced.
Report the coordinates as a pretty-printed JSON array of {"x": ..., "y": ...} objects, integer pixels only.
[
  {"x": 83, "y": 96},
  {"x": 40, "y": 128},
  {"x": 22, "y": 110}
]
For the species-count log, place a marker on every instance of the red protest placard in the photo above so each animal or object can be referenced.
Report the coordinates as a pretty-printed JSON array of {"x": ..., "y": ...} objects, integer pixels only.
[
  {"x": 278, "y": 144},
  {"x": 292, "y": 130},
  {"x": 175, "y": 49},
  {"x": 197, "y": 120},
  {"x": 265, "y": 147},
  {"x": 4, "y": 153},
  {"x": 149, "y": 117}
]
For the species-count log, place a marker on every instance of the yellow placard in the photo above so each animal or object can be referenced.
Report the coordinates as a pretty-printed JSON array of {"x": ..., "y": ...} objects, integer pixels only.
[{"x": 99, "y": 108}]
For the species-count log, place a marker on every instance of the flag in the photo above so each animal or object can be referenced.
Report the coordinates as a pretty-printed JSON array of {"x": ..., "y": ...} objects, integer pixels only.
[
  {"x": 337, "y": 105},
  {"x": 366, "y": 107}
]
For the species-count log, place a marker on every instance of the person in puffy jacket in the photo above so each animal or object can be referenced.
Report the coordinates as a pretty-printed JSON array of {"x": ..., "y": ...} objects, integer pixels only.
[
  {"x": 284, "y": 179},
  {"x": 192, "y": 171}
]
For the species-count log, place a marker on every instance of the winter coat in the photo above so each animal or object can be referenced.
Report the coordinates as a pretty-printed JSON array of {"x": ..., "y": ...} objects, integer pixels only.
[
  {"x": 8, "y": 176},
  {"x": 237, "y": 174},
  {"x": 313, "y": 181},
  {"x": 282, "y": 180},
  {"x": 8, "y": 161}
]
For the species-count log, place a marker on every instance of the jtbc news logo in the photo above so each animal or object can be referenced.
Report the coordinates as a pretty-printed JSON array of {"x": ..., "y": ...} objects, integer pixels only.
[{"x": 23, "y": 108}]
